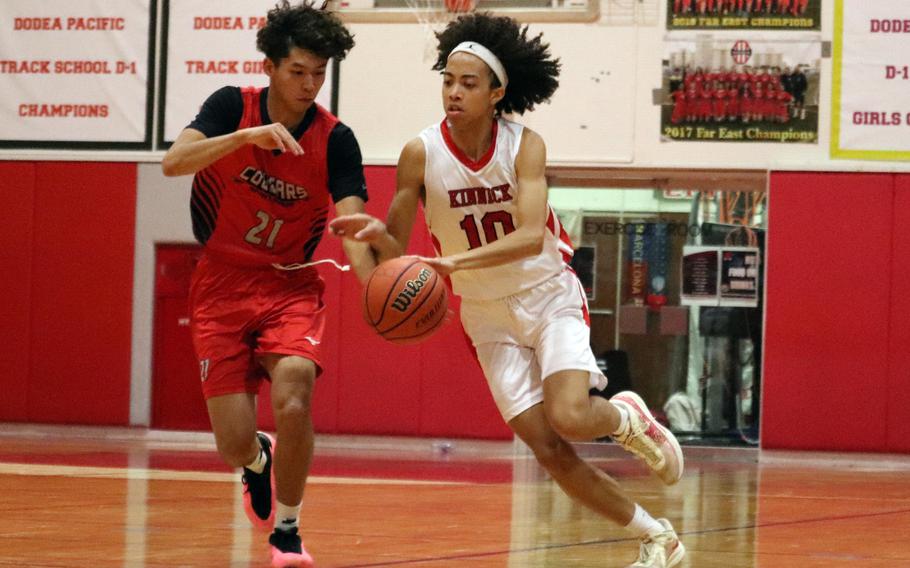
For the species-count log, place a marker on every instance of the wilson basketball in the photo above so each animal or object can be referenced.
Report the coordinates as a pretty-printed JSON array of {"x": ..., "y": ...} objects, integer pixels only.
[{"x": 405, "y": 300}]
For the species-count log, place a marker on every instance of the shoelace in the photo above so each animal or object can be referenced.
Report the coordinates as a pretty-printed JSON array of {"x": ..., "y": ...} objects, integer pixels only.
[
  {"x": 651, "y": 546},
  {"x": 639, "y": 444},
  {"x": 646, "y": 550},
  {"x": 298, "y": 266}
]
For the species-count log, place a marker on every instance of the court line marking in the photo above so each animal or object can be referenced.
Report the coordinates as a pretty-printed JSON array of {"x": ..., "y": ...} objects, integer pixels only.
[
  {"x": 46, "y": 470},
  {"x": 618, "y": 540}
]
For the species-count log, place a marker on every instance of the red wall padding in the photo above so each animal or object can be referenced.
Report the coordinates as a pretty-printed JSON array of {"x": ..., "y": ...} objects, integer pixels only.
[
  {"x": 828, "y": 307},
  {"x": 17, "y": 186},
  {"x": 898, "y": 386},
  {"x": 79, "y": 287}
]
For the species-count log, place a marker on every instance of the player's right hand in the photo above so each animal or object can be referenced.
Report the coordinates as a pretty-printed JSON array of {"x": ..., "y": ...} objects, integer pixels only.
[
  {"x": 273, "y": 137},
  {"x": 358, "y": 226}
]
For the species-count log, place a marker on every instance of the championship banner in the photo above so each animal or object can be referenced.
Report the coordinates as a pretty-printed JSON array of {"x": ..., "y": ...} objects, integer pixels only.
[
  {"x": 744, "y": 14},
  {"x": 209, "y": 45},
  {"x": 75, "y": 73},
  {"x": 730, "y": 88},
  {"x": 870, "y": 118}
]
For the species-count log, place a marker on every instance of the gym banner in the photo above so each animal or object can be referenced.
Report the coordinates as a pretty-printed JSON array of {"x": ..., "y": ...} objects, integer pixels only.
[
  {"x": 871, "y": 84},
  {"x": 744, "y": 14},
  {"x": 740, "y": 88},
  {"x": 75, "y": 73},
  {"x": 209, "y": 45}
]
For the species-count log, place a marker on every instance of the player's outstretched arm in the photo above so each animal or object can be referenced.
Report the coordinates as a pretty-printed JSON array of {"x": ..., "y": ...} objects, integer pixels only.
[
  {"x": 531, "y": 202},
  {"x": 193, "y": 151},
  {"x": 390, "y": 239}
]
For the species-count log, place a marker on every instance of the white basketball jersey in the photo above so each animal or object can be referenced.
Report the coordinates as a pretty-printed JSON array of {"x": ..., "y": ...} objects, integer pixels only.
[{"x": 471, "y": 204}]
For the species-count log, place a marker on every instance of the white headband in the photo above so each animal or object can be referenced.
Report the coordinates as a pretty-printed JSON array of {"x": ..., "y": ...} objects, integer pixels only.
[{"x": 486, "y": 56}]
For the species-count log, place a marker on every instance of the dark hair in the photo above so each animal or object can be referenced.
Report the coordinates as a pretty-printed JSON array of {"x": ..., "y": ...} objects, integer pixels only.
[
  {"x": 533, "y": 72},
  {"x": 305, "y": 27}
]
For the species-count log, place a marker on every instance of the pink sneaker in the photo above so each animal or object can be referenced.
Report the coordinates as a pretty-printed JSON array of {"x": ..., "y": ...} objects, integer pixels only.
[
  {"x": 259, "y": 488},
  {"x": 288, "y": 550},
  {"x": 648, "y": 439}
]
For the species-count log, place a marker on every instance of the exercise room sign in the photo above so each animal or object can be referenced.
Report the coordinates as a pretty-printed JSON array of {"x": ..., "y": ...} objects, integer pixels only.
[
  {"x": 210, "y": 45},
  {"x": 74, "y": 72},
  {"x": 871, "y": 86}
]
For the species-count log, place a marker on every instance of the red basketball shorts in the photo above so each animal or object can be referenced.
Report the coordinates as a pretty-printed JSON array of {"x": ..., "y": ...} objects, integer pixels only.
[{"x": 239, "y": 314}]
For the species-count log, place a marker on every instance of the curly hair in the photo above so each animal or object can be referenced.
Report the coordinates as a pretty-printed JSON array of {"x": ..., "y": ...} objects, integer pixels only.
[
  {"x": 533, "y": 72},
  {"x": 306, "y": 27}
]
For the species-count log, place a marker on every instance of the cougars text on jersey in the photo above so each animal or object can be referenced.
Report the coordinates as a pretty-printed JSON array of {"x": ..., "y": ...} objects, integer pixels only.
[{"x": 272, "y": 187}]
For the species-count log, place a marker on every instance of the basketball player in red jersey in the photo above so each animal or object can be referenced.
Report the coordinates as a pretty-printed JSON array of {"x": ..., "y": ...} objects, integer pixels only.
[
  {"x": 522, "y": 307},
  {"x": 268, "y": 165}
]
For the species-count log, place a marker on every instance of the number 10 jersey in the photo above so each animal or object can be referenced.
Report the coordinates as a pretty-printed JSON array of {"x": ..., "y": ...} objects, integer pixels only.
[{"x": 470, "y": 204}]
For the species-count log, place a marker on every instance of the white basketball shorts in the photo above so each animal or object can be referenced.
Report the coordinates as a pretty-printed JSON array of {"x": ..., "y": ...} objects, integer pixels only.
[{"x": 525, "y": 338}]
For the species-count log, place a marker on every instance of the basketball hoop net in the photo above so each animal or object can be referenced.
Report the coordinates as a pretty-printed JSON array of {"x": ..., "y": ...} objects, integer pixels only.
[{"x": 433, "y": 15}]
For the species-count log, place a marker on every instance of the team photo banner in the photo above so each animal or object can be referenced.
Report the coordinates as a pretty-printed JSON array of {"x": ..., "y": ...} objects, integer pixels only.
[
  {"x": 211, "y": 45},
  {"x": 75, "y": 73},
  {"x": 871, "y": 83},
  {"x": 728, "y": 87}
]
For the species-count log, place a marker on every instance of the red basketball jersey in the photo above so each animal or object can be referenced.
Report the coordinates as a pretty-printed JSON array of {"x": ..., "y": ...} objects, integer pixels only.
[{"x": 254, "y": 207}]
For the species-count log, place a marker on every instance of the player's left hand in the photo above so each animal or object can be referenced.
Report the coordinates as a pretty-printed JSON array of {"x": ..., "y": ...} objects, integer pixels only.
[
  {"x": 441, "y": 264},
  {"x": 357, "y": 226}
]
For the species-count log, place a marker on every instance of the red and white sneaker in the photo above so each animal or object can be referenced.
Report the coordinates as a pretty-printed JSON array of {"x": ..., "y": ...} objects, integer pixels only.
[
  {"x": 661, "y": 550},
  {"x": 259, "y": 488},
  {"x": 648, "y": 439},
  {"x": 288, "y": 550}
]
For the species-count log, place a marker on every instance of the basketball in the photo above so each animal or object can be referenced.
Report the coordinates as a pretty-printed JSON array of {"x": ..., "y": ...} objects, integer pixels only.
[{"x": 405, "y": 301}]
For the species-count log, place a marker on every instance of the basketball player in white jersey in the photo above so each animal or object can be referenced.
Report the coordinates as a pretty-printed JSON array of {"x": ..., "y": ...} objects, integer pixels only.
[{"x": 481, "y": 179}]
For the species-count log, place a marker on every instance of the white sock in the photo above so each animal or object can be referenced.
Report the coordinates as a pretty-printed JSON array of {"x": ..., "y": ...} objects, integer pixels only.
[
  {"x": 643, "y": 524},
  {"x": 258, "y": 464},
  {"x": 623, "y": 420},
  {"x": 286, "y": 516}
]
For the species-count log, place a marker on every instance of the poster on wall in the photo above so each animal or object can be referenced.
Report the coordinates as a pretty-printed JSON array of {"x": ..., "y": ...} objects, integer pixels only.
[
  {"x": 720, "y": 276},
  {"x": 871, "y": 84},
  {"x": 209, "y": 45},
  {"x": 738, "y": 285},
  {"x": 699, "y": 267},
  {"x": 744, "y": 14},
  {"x": 740, "y": 88},
  {"x": 75, "y": 74}
]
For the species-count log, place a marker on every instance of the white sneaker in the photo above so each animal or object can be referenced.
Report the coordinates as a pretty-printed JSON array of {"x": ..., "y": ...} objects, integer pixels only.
[
  {"x": 661, "y": 550},
  {"x": 648, "y": 439}
]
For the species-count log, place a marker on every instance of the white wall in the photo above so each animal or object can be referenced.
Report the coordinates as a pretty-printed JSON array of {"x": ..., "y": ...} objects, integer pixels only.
[
  {"x": 162, "y": 216},
  {"x": 388, "y": 93}
]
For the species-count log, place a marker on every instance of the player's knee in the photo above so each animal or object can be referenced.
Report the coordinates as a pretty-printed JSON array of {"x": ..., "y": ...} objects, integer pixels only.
[
  {"x": 293, "y": 408},
  {"x": 235, "y": 450}
]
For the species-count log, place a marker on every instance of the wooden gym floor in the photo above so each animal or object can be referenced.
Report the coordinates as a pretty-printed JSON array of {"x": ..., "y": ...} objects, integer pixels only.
[{"x": 121, "y": 497}]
